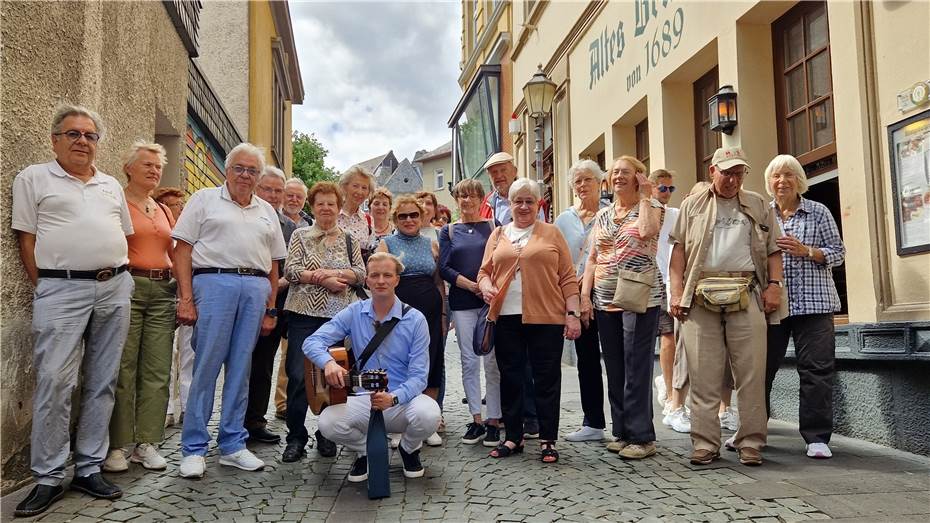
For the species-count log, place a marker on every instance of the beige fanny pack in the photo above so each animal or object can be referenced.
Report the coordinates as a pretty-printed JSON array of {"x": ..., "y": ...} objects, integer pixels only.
[{"x": 724, "y": 293}]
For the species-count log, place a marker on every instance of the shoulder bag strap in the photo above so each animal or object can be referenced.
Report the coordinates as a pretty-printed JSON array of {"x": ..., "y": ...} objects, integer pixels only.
[{"x": 379, "y": 337}]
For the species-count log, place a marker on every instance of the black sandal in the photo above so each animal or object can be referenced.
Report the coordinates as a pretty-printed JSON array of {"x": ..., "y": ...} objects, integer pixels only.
[
  {"x": 502, "y": 450},
  {"x": 548, "y": 454}
]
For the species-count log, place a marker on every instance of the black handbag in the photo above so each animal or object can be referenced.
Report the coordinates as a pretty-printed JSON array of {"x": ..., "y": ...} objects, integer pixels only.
[{"x": 483, "y": 336}]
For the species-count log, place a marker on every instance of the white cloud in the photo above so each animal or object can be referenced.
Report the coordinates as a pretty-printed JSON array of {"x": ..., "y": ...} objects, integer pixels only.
[{"x": 377, "y": 75}]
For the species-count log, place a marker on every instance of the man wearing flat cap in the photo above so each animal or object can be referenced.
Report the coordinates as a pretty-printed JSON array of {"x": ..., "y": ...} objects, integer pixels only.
[{"x": 725, "y": 277}]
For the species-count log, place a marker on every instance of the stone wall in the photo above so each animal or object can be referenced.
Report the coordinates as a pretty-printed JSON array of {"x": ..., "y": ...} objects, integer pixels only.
[{"x": 123, "y": 59}]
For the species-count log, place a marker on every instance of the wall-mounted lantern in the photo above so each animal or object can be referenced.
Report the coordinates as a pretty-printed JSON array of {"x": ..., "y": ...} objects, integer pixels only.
[
  {"x": 722, "y": 110},
  {"x": 538, "y": 94}
]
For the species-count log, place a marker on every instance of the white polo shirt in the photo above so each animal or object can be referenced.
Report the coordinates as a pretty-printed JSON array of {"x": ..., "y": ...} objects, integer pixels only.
[
  {"x": 227, "y": 236},
  {"x": 78, "y": 226}
]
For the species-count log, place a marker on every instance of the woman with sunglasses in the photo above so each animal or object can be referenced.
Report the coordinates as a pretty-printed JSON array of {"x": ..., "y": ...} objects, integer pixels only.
[{"x": 420, "y": 285}]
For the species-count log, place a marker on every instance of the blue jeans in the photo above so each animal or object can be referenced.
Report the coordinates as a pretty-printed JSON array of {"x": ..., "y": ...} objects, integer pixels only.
[
  {"x": 230, "y": 309},
  {"x": 299, "y": 328}
]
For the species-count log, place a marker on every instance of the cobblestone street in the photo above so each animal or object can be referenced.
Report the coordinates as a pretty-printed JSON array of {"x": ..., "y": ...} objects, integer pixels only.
[{"x": 863, "y": 482}]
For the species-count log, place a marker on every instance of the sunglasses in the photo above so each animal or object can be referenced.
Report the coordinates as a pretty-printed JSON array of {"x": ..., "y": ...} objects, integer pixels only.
[
  {"x": 408, "y": 216},
  {"x": 666, "y": 188}
]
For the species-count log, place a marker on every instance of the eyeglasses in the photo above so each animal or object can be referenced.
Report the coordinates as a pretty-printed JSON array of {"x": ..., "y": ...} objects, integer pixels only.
[
  {"x": 74, "y": 136},
  {"x": 240, "y": 170},
  {"x": 523, "y": 203},
  {"x": 666, "y": 188},
  {"x": 467, "y": 196},
  {"x": 408, "y": 216},
  {"x": 736, "y": 172}
]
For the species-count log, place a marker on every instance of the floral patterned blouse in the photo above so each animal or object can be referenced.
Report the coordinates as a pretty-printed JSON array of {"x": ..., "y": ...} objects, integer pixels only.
[
  {"x": 313, "y": 248},
  {"x": 357, "y": 226}
]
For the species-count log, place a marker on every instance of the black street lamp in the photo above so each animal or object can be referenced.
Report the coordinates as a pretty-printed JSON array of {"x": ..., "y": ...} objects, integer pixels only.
[
  {"x": 722, "y": 110},
  {"x": 538, "y": 94}
]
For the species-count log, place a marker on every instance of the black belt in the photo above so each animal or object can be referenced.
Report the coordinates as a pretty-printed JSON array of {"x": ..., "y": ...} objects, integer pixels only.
[
  {"x": 98, "y": 274},
  {"x": 240, "y": 271},
  {"x": 152, "y": 274}
]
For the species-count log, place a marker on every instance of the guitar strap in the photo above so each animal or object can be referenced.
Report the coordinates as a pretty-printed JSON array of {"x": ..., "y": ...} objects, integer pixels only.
[{"x": 376, "y": 341}]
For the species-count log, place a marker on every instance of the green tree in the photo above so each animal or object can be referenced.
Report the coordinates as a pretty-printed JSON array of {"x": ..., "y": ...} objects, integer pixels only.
[{"x": 309, "y": 159}]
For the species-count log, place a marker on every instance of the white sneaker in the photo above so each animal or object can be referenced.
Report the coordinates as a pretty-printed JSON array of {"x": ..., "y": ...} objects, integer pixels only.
[
  {"x": 148, "y": 456},
  {"x": 679, "y": 421},
  {"x": 661, "y": 393},
  {"x": 116, "y": 461},
  {"x": 667, "y": 408},
  {"x": 434, "y": 440},
  {"x": 819, "y": 451},
  {"x": 395, "y": 441},
  {"x": 192, "y": 467},
  {"x": 244, "y": 459},
  {"x": 729, "y": 419},
  {"x": 729, "y": 443},
  {"x": 586, "y": 434}
]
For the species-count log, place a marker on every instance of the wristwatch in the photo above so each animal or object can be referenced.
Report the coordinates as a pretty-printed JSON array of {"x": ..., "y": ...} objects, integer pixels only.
[
  {"x": 395, "y": 402},
  {"x": 777, "y": 282},
  {"x": 576, "y": 314},
  {"x": 271, "y": 312},
  {"x": 810, "y": 251}
]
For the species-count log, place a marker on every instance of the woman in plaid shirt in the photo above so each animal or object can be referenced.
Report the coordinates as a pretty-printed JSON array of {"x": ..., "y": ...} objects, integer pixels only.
[{"x": 811, "y": 247}]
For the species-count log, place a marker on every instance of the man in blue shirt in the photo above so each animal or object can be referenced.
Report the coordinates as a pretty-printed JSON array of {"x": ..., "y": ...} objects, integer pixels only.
[{"x": 404, "y": 354}]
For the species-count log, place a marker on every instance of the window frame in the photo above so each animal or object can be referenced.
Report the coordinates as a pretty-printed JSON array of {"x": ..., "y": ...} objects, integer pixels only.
[
  {"x": 641, "y": 132},
  {"x": 700, "y": 86}
]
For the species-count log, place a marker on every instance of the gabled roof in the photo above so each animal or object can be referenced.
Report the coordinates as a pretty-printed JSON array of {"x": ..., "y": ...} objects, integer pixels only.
[
  {"x": 439, "y": 152},
  {"x": 371, "y": 164},
  {"x": 406, "y": 179}
]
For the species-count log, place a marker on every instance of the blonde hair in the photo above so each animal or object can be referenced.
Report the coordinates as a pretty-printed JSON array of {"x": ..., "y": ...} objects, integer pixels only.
[
  {"x": 357, "y": 170},
  {"x": 660, "y": 173},
  {"x": 406, "y": 200},
  {"x": 386, "y": 256},
  {"x": 468, "y": 186},
  {"x": 785, "y": 161}
]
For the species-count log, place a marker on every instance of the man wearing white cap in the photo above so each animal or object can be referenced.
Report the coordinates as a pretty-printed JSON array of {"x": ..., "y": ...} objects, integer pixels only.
[{"x": 726, "y": 276}]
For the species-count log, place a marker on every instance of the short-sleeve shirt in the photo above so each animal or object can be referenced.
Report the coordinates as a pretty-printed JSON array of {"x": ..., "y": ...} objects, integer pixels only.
[
  {"x": 619, "y": 246},
  {"x": 78, "y": 225},
  {"x": 729, "y": 246},
  {"x": 225, "y": 235},
  {"x": 149, "y": 246}
]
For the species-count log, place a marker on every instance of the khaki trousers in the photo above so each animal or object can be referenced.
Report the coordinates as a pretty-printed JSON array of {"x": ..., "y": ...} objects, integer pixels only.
[
  {"x": 709, "y": 343},
  {"x": 280, "y": 391}
]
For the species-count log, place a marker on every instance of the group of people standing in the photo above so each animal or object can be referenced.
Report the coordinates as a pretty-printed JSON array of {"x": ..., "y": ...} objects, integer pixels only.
[{"x": 243, "y": 267}]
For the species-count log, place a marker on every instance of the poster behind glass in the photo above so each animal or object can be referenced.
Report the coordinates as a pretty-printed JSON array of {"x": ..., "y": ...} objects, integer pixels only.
[{"x": 910, "y": 160}]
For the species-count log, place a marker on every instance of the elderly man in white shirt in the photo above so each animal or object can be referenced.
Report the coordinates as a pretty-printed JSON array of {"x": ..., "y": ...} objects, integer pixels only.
[
  {"x": 72, "y": 221},
  {"x": 227, "y": 242}
]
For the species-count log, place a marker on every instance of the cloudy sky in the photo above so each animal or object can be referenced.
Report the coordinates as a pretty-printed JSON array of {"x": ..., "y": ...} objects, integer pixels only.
[{"x": 378, "y": 75}]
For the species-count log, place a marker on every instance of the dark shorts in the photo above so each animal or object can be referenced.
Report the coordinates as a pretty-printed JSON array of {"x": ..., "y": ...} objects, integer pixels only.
[{"x": 666, "y": 323}]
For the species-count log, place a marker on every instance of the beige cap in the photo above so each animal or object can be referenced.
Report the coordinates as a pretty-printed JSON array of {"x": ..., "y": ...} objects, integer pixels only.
[
  {"x": 727, "y": 157},
  {"x": 497, "y": 158}
]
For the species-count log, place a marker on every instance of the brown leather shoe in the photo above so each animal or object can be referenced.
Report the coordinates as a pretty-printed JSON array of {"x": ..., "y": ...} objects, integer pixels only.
[
  {"x": 750, "y": 456},
  {"x": 704, "y": 457}
]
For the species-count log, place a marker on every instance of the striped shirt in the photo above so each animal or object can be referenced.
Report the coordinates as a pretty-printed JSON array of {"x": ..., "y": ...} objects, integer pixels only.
[
  {"x": 619, "y": 246},
  {"x": 810, "y": 284}
]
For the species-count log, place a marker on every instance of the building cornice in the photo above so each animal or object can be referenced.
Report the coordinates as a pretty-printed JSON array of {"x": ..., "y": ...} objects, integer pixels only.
[{"x": 486, "y": 35}]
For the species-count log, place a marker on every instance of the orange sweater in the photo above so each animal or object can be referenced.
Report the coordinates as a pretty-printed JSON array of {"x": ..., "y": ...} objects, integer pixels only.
[{"x": 548, "y": 275}]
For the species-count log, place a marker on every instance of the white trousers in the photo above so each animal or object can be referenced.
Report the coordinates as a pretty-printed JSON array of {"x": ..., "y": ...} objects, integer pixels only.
[
  {"x": 471, "y": 367},
  {"x": 182, "y": 368},
  {"x": 347, "y": 424}
]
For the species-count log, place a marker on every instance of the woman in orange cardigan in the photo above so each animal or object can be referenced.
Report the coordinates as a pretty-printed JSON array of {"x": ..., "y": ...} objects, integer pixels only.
[{"x": 533, "y": 314}]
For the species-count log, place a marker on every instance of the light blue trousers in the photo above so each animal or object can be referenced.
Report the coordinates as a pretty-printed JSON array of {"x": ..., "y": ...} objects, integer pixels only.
[{"x": 230, "y": 309}]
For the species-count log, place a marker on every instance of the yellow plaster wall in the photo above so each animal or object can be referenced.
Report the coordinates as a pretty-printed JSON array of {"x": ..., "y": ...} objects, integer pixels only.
[{"x": 261, "y": 84}]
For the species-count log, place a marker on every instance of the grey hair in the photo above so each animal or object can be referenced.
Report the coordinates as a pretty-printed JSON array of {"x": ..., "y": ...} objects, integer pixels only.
[
  {"x": 298, "y": 182},
  {"x": 133, "y": 154},
  {"x": 585, "y": 165},
  {"x": 64, "y": 110},
  {"x": 249, "y": 149},
  {"x": 357, "y": 170},
  {"x": 525, "y": 184},
  {"x": 785, "y": 161},
  {"x": 271, "y": 170}
]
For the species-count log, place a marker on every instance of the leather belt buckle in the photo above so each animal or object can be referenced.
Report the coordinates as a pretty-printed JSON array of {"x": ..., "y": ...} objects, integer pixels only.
[
  {"x": 104, "y": 275},
  {"x": 157, "y": 274},
  {"x": 245, "y": 272}
]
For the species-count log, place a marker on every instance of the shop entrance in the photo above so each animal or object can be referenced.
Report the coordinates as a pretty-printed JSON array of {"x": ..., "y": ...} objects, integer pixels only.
[{"x": 825, "y": 189}]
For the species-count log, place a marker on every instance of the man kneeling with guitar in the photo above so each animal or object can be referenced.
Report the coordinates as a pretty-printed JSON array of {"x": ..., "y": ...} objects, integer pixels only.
[{"x": 403, "y": 353}]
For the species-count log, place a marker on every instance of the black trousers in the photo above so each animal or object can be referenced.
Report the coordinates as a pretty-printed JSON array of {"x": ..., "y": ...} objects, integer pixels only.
[
  {"x": 260, "y": 379},
  {"x": 590, "y": 382},
  {"x": 300, "y": 328},
  {"x": 515, "y": 344},
  {"x": 815, "y": 347},
  {"x": 628, "y": 342}
]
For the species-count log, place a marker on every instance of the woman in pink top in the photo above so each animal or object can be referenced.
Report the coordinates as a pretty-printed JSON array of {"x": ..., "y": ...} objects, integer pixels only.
[{"x": 138, "y": 421}]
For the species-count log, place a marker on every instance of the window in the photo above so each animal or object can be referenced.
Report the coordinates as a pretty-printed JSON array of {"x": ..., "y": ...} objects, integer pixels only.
[
  {"x": 439, "y": 179},
  {"x": 475, "y": 13},
  {"x": 804, "y": 86},
  {"x": 279, "y": 102},
  {"x": 475, "y": 125},
  {"x": 642, "y": 143},
  {"x": 705, "y": 140}
]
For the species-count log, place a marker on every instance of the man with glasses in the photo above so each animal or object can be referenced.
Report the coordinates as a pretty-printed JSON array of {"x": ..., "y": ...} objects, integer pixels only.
[
  {"x": 228, "y": 241},
  {"x": 725, "y": 239},
  {"x": 72, "y": 221}
]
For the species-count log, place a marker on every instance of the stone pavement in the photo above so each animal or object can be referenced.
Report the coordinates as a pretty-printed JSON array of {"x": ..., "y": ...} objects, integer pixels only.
[{"x": 863, "y": 482}]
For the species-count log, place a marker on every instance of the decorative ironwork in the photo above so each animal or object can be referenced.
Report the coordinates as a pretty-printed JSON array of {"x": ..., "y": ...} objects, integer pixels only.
[
  {"x": 185, "y": 15},
  {"x": 205, "y": 107}
]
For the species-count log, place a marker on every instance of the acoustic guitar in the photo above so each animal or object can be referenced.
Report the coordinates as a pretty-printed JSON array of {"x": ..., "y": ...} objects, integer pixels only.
[{"x": 321, "y": 395}]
